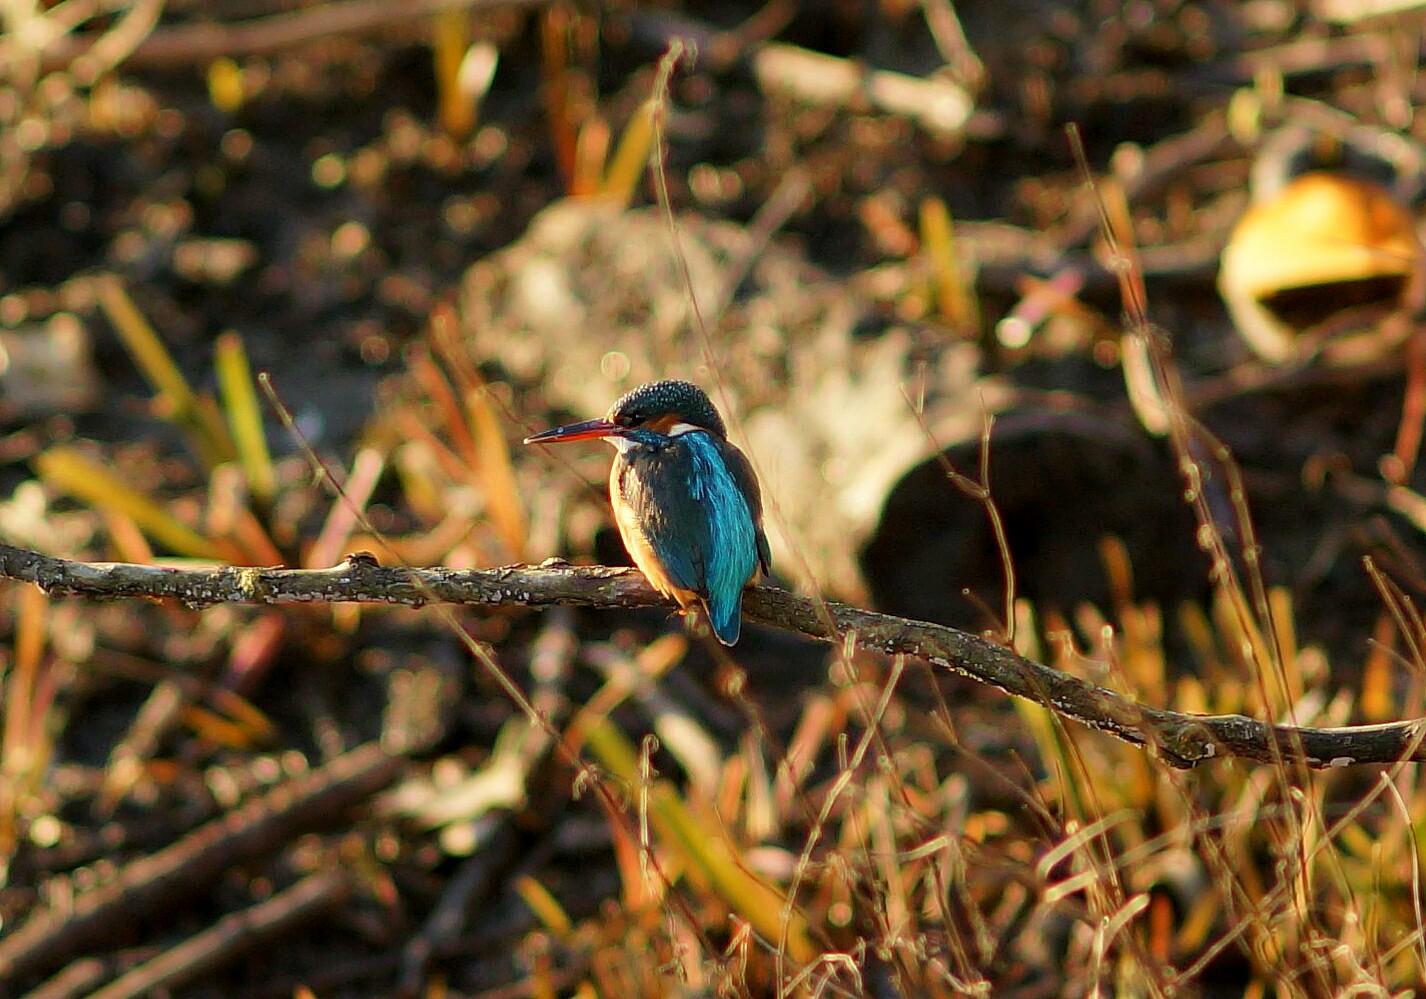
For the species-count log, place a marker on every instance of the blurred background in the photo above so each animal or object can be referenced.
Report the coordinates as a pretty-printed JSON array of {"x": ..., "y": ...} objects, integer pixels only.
[{"x": 433, "y": 228}]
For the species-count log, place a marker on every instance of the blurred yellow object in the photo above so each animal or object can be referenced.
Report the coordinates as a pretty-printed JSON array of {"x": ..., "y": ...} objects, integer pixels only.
[{"x": 1347, "y": 237}]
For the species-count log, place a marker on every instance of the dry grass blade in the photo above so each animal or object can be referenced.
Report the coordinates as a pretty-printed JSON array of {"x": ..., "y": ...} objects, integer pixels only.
[
  {"x": 590, "y": 155},
  {"x": 345, "y": 514},
  {"x": 154, "y": 721},
  {"x": 455, "y": 105},
  {"x": 631, "y": 157},
  {"x": 955, "y": 295},
  {"x": 496, "y": 471},
  {"x": 480, "y": 436},
  {"x": 66, "y": 470},
  {"x": 28, "y": 695},
  {"x": 708, "y": 853},
  {"x": 555, "y": 27},
  {"x": 544, "y": 905}
]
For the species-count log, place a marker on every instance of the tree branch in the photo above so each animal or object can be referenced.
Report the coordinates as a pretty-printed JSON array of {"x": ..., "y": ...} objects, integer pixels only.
[
  {"x": 1182, "y": 740},
  {"x": 159, "y": 882}
]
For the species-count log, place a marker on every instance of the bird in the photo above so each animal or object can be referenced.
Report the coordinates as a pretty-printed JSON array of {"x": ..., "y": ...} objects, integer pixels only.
[{"x": 685, "y": 499}]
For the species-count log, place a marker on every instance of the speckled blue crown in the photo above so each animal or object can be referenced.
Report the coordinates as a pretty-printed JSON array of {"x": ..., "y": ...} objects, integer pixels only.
[{"x": 669, "y": 397}]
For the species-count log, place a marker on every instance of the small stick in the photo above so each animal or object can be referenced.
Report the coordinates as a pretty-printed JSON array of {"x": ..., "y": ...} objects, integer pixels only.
[
  {"x": 448, "y": 921},
  {"x": 231, "y": 936},
  {"x": 79, "y": 979},
  {"x": 53, "y": 935}
]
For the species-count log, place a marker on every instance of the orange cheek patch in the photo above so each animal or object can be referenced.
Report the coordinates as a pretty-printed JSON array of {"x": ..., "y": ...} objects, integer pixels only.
[{"x": 663, "y": 424}]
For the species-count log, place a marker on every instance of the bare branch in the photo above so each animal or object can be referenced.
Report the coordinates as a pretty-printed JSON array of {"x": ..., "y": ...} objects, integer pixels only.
[
  {"x": 233, "y": 935},
  {"x": 53, "y": 934},
  {"x": 1182, "y": 740}
]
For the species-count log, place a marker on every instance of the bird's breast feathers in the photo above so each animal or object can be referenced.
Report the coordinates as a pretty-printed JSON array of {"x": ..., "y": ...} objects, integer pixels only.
[{"x": 686, "y": 504}]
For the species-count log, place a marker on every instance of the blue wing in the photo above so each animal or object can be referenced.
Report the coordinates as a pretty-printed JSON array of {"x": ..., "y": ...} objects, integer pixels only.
[
  {"x": 748, "y": 485},
  {"x": 695, "y": 517}
]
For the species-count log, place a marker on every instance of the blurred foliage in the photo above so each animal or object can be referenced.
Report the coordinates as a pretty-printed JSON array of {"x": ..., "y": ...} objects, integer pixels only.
[{"x": 669, "y": 818}]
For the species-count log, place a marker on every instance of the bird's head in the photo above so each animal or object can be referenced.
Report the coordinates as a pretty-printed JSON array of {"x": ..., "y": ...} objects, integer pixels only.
[{"x": 650, "y": 414}]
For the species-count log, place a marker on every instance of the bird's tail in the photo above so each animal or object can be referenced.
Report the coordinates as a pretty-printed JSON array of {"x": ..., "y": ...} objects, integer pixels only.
[{"x": 726, "y": 620}]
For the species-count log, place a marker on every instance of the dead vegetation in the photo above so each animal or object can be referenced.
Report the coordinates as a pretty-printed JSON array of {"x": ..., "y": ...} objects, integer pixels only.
[{"x": 430, "y": 233}]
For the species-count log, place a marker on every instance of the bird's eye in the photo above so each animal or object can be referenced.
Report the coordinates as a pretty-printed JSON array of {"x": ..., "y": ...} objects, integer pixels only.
[{"x": 628, "y": 419}]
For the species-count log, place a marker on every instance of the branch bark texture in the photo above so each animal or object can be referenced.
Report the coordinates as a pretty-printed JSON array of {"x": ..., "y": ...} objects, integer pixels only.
[{"x": 1182, "y": 740}]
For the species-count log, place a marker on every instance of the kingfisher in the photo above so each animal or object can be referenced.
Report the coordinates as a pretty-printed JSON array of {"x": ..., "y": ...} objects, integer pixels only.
[{"x": 685, "y": 499}]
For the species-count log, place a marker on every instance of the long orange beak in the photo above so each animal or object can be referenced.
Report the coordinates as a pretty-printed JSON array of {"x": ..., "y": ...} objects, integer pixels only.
[{"x": 577, "y": 432}]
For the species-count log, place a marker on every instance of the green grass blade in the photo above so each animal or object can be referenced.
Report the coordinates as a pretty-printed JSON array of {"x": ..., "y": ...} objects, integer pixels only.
[
  {"x": 178, "y": 402},
  {"x": 240, "y": 405}
]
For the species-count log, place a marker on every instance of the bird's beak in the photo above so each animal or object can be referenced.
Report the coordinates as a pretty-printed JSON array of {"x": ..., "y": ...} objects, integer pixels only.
[{"x": 577, "y": 432}]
